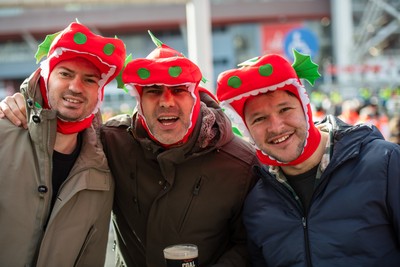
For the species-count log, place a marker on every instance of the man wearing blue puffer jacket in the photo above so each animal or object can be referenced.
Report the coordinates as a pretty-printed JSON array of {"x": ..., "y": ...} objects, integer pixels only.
[{"x": 328, "y": 193}]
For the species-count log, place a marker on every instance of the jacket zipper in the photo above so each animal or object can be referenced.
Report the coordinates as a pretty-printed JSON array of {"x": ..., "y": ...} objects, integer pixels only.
[
  {"x": 195, "y": 192},
  {"x": 197, "y": 187},
  {"x": 292, "y": 197},
  {"x": 307, "y": 245}
]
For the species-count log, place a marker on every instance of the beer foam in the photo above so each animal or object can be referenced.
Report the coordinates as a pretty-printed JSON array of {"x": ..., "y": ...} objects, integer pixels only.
[{"x": 180, "y": 252}]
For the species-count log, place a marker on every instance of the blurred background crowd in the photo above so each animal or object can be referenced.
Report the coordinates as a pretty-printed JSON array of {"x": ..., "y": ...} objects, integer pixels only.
[
  {"x": 381, "y": 109},
  {"x": 355, "y": 42}
]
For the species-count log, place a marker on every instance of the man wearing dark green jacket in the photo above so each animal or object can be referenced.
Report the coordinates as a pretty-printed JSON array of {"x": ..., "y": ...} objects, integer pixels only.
[{"x": 181, "y": 174}]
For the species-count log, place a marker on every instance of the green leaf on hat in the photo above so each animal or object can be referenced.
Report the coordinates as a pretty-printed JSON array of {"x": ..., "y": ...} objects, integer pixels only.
[
  {"x": 236, "y": 131},
  {"x": 156, "y": 41},
  {"x": 305, "y": 67},
  {"x": 159, "y": 43},
  {"x": 44, "y": 47},
  {"x": 249, "y": 62},
  {"x": 37, "y": 105},
  {"x": 120, "y": 83}
]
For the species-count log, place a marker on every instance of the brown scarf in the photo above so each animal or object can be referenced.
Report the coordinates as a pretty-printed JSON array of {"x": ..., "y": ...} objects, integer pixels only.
[{"x": 209, "y": 129}]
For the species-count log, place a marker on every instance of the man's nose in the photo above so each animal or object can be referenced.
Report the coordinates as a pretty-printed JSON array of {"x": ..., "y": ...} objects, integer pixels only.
[
  {"x": 275, "y": 124},
  {"x": 76, "y": 85},
  {"x": 167, "y": 98}
]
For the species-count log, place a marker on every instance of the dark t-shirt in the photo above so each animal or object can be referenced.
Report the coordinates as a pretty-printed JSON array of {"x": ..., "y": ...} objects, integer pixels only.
[
  {"x": 62, "y": 165},
  {"x": 303, "y": 185}
]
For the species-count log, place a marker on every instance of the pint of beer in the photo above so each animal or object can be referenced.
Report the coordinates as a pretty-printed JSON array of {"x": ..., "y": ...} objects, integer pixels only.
[{"x": 181, "y": 255}]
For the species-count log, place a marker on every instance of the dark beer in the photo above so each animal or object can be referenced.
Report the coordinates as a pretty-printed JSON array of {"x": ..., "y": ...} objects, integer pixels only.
[{"x": 181, "y": 255}]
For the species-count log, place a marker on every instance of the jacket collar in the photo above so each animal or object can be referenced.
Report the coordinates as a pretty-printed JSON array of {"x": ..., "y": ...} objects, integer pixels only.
[{"x": 348, "y": 139}]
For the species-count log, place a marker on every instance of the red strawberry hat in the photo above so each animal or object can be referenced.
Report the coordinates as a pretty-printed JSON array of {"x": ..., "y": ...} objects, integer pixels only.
[
  {"x": 163, "y": 66},
  {"x": 107, "y": 54},
  {"x": 264, "y": 74}
]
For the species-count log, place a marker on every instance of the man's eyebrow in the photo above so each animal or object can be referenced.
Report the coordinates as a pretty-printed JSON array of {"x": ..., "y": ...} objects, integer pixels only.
[
  {"x": 155, "y": 86},
  {"x": 65, "y": 68},
  {"x": 94, "y": 74},
  {"x": 284, "y": 103}
]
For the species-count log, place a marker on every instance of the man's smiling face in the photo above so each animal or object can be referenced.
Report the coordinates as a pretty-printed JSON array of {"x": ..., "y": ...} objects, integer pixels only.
[
  {"x": 73, "y": 89},
  {"x": 277, "y": 123}
]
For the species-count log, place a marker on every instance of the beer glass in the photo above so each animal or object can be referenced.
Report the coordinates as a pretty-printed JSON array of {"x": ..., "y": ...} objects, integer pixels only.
[{"x": 181, "y": 255}]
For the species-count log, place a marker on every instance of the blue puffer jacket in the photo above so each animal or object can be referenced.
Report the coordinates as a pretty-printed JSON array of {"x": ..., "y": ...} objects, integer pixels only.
[{"x": 354, "y": 216}]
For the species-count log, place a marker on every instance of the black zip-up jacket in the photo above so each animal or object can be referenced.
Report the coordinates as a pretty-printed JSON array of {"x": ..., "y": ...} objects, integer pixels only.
[
  {"x": 180, "y": 195},
  {"x": 354, "y": 216}
]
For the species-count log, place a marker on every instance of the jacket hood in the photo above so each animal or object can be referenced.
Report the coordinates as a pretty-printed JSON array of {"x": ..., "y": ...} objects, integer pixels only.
[{"x": 223, "y": 123}]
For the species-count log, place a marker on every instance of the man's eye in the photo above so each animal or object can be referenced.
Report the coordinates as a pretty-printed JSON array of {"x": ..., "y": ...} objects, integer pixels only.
[
  {"x": 153, "y": 91},
  {"x": 285, "y": 109},
  {"x": 258, "y": 119},
  {"x": 91, "y": 81},
  {"x": 64, "y": 74},
  {"x": 179, "y": 90}
]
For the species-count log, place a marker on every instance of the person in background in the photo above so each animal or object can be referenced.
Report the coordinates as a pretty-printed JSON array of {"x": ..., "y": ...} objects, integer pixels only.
[
  {"x": 394, "y": 128},
  {"x": 349, "y": 113},
  {"x": 319, "y": 113},
  {"x": 56, "y": 187},
  {"x": 328, "y": 194},
  {"x": 370, "y": 113}
]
